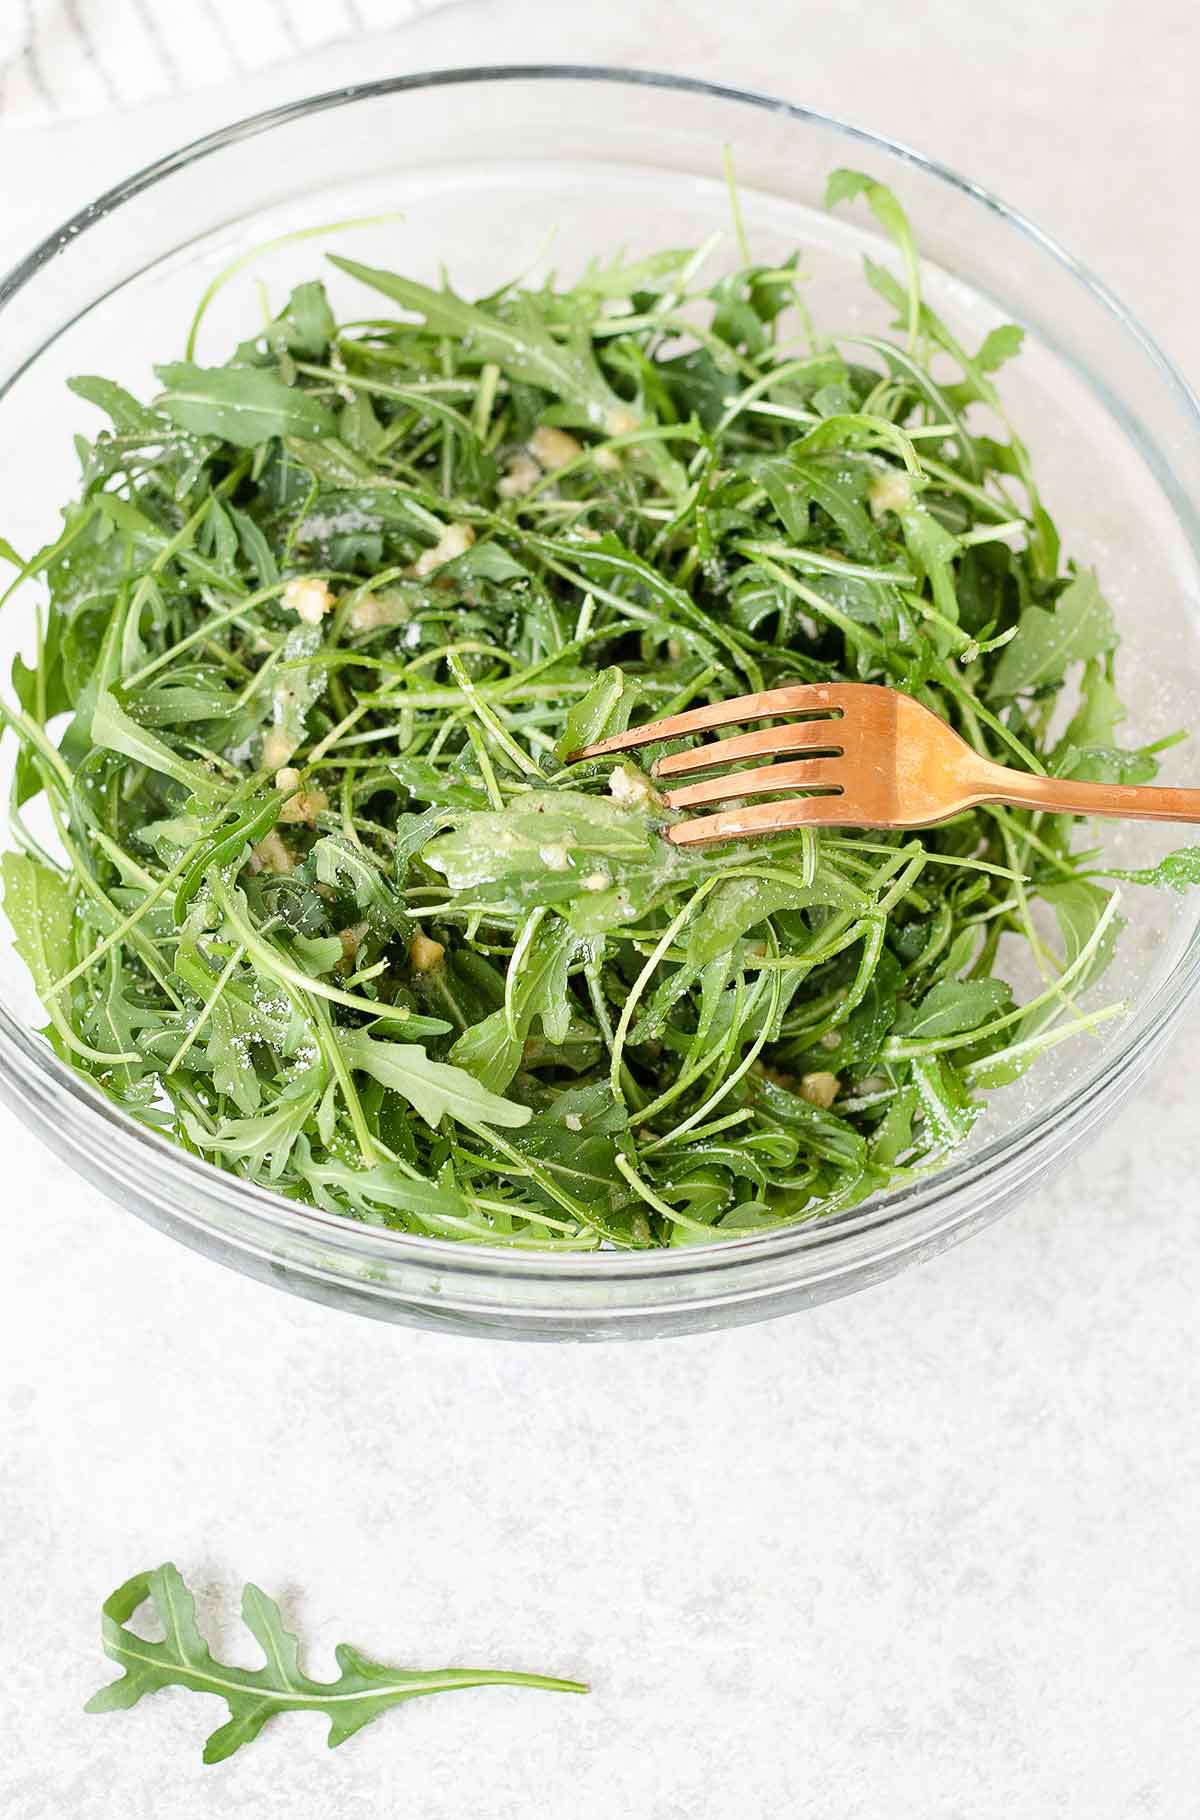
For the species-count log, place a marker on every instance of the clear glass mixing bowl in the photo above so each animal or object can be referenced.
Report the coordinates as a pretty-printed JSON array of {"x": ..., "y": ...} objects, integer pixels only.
[{"x": 496, "y": 171}]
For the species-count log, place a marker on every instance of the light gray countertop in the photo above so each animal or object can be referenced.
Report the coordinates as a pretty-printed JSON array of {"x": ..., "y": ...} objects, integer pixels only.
[{"x": 927, "y": 1554}]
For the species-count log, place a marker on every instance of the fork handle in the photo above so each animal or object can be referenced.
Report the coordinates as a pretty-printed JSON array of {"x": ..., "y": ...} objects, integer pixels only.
[{"x": 1065, "y": 796}]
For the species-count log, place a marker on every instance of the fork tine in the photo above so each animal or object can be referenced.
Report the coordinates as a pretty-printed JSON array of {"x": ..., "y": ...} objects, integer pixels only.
[
  {"x": 795, "y": 698},
  {"x": 760, "y": 818},
  {"x": 806, "y": 774},
  {"x": 793, "y": 736}
]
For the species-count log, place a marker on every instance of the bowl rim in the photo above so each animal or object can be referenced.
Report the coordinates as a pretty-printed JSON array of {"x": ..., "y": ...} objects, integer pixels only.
[{"x": 914, "y": 1216}]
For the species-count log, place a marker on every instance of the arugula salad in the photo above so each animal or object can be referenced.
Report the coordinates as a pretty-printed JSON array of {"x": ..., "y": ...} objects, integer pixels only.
[{"x": 303, "y": 875}]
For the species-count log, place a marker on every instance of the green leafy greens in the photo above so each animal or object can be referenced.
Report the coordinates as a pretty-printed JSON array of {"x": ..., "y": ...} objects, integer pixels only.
[
  {"x": 306, "y": 878},
  {"x": 363, "y": 1690}
]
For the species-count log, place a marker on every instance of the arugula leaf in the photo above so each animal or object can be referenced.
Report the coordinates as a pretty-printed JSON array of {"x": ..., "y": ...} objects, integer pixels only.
[
  {"x": 893, "y": 1137},
  {"x": 944, "y": 1101},
  {"x": 1049, "y": 642},
  {"x": 820, "y": 1132},
  {"x": 242, "y": 405},
  {"x": 741, "y": 904},
  {"x": 953, "y": 1006},
  {"x": 603, "y": 711},
  {"x": 341, "y": 864},
  {"x": 575, "y": 1139},
  {"x": 113, "y": 728},
  {"x": 307, "y": 324},
  {"x": 272, "y": 1134},
  {"x": 844, "y": 186},
  {"x": 655, "y": 275},
  {"x": 599, "y": 859},
  {"x": 128, "y": 415},
  {"x": 435, "y": 1089},
  {"x": 521, "y": 344},
  {"x": 364, "y": 1688},
  {"x": 998, "y": 345},
  {"x": 386, "y": 1195},
  {"x": 1099, "y": 713},
  {"x": 1079, "y": 908},
  {"x": 1105, "y": 764},
  {"x": 492, "y": 1049},
  {"x": 40, "y": 908},
  {"x": 838, "y": 488},
  {"x": 1178, "y": 871}
]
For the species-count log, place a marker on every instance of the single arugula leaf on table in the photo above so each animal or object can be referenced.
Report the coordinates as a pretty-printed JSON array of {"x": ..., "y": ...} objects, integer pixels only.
[{"x": 363, "y": 1691}]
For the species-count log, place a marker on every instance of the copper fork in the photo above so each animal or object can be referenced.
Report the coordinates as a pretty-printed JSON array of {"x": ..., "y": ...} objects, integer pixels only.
[{"x": 857, "y": 755}]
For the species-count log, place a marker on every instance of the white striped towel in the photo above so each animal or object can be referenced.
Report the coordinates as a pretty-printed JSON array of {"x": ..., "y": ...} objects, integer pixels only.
[{"x": 64, "y": 57}]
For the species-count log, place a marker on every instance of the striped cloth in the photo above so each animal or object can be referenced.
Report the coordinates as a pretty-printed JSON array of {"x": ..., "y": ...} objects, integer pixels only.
[{"x": 64, "y": 57}]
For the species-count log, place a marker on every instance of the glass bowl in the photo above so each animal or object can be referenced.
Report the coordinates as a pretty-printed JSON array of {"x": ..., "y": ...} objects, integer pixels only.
[{"x": 496, "y": 171}]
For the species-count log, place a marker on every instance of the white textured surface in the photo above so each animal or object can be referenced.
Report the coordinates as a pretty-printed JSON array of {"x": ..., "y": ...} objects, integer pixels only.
[{"x": 928, "y": 1554}]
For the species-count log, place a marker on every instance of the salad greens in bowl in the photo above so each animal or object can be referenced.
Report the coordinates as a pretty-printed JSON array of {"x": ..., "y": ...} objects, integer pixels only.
[{"x": 344, "y": 968}]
